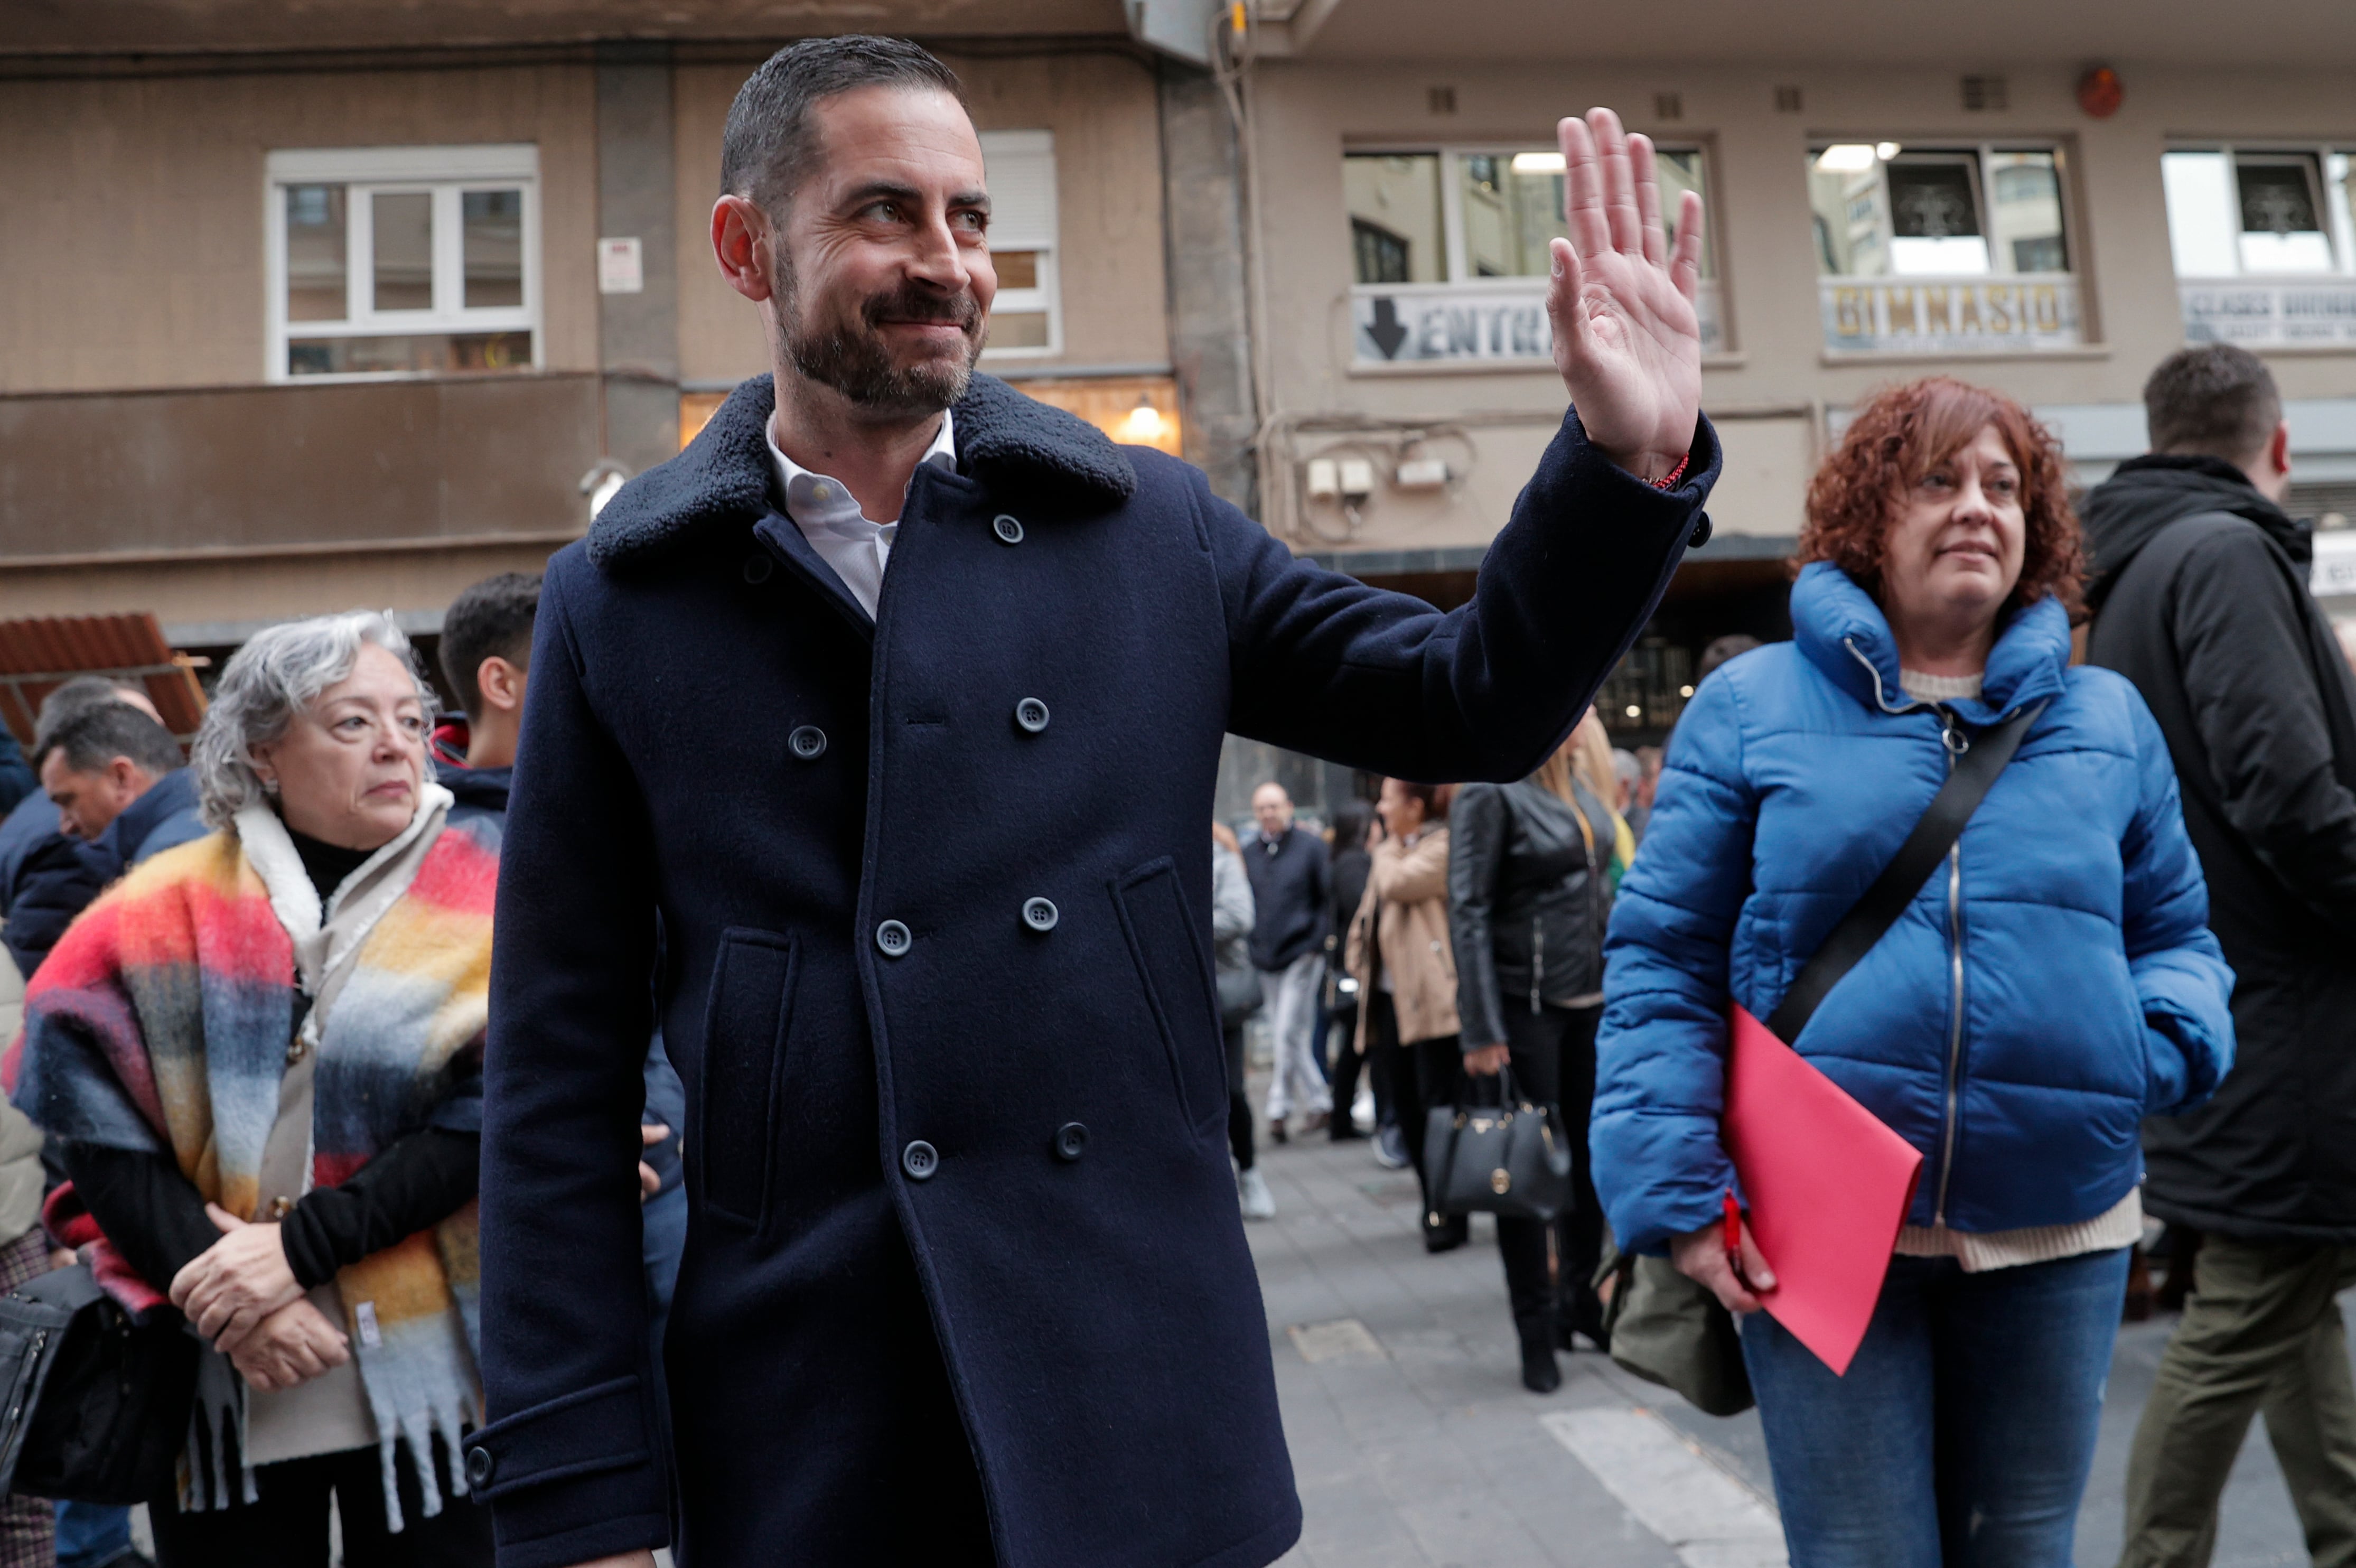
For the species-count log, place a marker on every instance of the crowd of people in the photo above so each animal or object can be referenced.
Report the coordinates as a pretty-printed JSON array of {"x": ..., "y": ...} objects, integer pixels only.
[
  {"x": 2053, "y": 1023},
  {"x": 932, "y": 949}
]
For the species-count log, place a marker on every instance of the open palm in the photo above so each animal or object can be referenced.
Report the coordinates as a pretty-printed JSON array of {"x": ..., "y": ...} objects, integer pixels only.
[{"x": 1626, "y": 336}]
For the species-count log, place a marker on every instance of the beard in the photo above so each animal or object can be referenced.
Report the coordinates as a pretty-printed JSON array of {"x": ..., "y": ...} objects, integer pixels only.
[{"x": 854, "y": 359}]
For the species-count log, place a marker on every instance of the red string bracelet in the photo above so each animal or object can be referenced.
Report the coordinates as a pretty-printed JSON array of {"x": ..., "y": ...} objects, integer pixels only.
[{"x": 1668, "y": 481}]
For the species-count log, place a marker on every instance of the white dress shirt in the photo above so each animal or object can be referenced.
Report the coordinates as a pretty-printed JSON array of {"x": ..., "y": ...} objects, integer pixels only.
[{"x": 822, "y": 507}]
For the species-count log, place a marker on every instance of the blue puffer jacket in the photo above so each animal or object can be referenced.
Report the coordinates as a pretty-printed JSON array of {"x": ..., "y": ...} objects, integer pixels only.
[{"x": 2093, "y": 993}]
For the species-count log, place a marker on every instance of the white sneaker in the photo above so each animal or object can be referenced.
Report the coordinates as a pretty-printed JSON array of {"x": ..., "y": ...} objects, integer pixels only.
[{"x": 1258, "y": 1202}]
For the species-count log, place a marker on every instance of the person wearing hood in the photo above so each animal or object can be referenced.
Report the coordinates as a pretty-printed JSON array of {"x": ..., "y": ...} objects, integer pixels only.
[
  {"x": 2201, "y": 594},
  {"x": 2046, "y": 989}
]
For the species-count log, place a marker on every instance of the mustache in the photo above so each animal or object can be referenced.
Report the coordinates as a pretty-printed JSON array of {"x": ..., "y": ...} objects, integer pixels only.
[{"x": 910, "y": 302}]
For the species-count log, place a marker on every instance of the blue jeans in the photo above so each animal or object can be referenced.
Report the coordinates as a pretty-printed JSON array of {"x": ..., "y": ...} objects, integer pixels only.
[
  {"x": 89, "y": 1534},
  {"x": 663, "y": 1237},
  {"x": 1961, "y": 1435}
]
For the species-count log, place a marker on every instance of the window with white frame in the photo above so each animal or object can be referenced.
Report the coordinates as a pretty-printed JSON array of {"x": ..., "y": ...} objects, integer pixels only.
[
  {"x": 1027, "y": 318},
  {"x": 403, "y": 260},
  {"x": 1449, "y": 251},
  {"x": 1944, "y": 250},
  {"x": 2265, "y": 243}
]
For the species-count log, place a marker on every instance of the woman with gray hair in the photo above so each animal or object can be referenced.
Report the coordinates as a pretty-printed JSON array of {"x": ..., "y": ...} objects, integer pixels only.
[{"x": 261, "y": 1053}]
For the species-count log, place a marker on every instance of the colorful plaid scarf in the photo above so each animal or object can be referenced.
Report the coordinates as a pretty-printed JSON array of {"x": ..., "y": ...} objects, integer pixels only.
[{"x": 161, "y": 1022}]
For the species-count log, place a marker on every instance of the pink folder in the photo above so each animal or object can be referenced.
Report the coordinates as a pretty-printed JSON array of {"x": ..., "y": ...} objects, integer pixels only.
[{"x": 1828, "y": 1186}]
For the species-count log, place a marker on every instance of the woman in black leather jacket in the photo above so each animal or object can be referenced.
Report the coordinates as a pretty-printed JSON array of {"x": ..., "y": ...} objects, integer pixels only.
[{"x": 1528, "y": 900}]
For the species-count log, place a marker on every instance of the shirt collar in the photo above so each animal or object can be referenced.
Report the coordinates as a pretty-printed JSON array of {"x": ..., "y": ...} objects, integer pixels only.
[{"x": 821, "y": 502}]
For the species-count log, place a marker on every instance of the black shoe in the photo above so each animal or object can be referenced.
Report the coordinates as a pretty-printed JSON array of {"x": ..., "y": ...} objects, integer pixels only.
[
  {"x": 1445, "y": 1232},
  {"x": 1582, "y": 1313},
  {"x": 1540, "y": 1373},
  {"x": 1342, "y": 1132}
]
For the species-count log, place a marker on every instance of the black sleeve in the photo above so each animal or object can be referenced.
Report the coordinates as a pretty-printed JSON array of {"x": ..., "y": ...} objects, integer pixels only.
[
  {"x": 1476, "y": 838},
  {"x": 17, "y": 779},
  {"x": 55, "y": 885},
  {"x": 420, "y": 1181},
  {"x": 2240, "y": 633},
  {"x": 151, "y": 1212}
]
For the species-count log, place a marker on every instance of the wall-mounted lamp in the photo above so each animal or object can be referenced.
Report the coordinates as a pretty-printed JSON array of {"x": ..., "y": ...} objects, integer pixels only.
[{"x": 1144, "y": 424}]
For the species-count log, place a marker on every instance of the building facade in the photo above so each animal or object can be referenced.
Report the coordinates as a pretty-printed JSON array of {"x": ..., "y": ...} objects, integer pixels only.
[{"x": 359, "y": 308}]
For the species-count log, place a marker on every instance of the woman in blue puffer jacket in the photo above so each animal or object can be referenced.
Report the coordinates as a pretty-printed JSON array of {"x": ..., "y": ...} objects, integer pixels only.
[{"x": 2051, "y": 985}]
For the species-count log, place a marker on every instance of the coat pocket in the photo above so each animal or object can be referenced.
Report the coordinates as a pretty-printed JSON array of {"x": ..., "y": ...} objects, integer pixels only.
[
  {"x": 744, "y": 1047},
  {"x": 1176, "y": 975}
]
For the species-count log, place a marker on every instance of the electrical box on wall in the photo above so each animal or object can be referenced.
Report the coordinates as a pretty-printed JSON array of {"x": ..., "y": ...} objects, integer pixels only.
[
  {"x": 1357, "y": 478},
  {"x": 1421, "y": 474},
  {"x": 1324, "y": 480}
]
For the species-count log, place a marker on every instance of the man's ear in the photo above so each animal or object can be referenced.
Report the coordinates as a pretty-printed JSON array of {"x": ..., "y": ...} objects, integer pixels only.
[
  {"x": 501, "y": 684},
  {"x": 2279, "y": 447},
  {"x": 740, "y": 243},
  {"x": 126, "y": 775}
]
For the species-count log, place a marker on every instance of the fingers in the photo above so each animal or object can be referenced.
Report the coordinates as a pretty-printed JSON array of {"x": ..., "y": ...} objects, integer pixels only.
[
  {"x": 1563, "y": 307},
  {"x": 650, "y": 1181},
  {"x": 652, "y": 1132},
  {"x": 1646, "y": 172},
  {"x": 1582, "y": 190},
  {"x": 223, "y": 1220},
  {"x": 1754, "y": 1263},
  {"x": 1619, "y": 181},
  {"x": 1685, "y": 262}
]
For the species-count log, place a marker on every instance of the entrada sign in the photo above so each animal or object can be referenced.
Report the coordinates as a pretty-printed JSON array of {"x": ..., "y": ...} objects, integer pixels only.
[{"x": 1499, "y": 322}]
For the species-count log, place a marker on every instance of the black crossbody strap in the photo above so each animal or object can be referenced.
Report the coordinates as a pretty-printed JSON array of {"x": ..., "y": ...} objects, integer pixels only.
[{"x": 1942, "y": 824}]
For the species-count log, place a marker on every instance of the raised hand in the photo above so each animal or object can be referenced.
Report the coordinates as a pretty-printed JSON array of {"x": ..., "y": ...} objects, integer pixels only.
[{"x": 1626, "y": 338}]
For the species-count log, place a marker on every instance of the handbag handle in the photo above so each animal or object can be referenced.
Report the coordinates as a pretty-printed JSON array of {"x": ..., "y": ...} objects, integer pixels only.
[{"x": 1941, "y": 824}]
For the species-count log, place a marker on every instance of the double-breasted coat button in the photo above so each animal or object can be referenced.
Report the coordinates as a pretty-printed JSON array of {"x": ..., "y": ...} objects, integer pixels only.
[
  {"x": 1071, "y": 1142},
  {"x": 480, "y": 1466},
  {"x": 1039, "y": 914},
  {"x": 757, "y": 567},
  {"x": 1031, "y": 713},
  {"x": 1009, "y": 530},
  {"x": 920, "y": 1160},
  {"x": 808, "y": 742},
  {"x": 894, "y": 939}
]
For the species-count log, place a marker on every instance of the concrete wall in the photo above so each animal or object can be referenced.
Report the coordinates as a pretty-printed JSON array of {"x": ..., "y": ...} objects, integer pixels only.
[
  {"x": 1101, "y": 106},
  {"x": 132, "y": 244},
  {"x": 1768, "y": 388}
]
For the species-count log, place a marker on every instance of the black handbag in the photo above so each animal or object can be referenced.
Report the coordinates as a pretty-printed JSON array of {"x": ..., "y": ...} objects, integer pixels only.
[
  {"x": 96, "y": 1403},
  {"x": 1672, "y": 1330},
  {"x": 1511, "y": 1159}
]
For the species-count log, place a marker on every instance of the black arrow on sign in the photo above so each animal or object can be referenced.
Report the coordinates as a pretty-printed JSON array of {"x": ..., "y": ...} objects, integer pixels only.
[{"x": 1387, "y": 332}]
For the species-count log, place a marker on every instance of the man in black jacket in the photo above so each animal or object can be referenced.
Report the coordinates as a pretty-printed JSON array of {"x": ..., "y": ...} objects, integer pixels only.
[
  {"x": 1288, "y": 948},
  {"x": 2202, "y": 600}
]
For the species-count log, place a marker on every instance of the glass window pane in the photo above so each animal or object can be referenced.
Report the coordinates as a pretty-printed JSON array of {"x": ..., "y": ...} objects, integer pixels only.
[
  {"x": 1509, "y": 216},
  {"x": 1934, "y": 221},
  {"x": 493, "y": 222},
  {"x": 2025, "y": 212},
  {"x": 1016, "y": 269},
  {"x": 316, "y": 263},
  {"x": 404, "y": 251},
  {"x": 1850, "y": 209},
  {"x": 2282, "y": 222},
  {"x": 1394, "y": 225},
  {"x": 439, "y": 353},
  {"x": 1018, "y": 329},
  {"x": 1680, "y": 172},
  {"x": 2202, "y": 224}
]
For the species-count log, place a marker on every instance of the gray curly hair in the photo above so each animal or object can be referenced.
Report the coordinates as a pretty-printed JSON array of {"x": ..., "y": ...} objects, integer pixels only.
[{"x": 279, "y": 672}]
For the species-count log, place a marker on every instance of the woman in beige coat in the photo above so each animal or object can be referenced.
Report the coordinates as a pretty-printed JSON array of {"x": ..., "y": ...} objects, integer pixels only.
[{"x": 1406, "y": 971}]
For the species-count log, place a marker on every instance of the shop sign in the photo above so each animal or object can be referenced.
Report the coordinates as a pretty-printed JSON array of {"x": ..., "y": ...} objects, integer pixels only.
[
  {"x": 1953, "y": 316},
  {"x": 1499, "y": 322},
  {"x": 2269, "y": 313}
]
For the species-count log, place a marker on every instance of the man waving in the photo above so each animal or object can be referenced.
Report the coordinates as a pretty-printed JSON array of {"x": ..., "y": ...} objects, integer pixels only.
[{"x": 895, "y": 704}]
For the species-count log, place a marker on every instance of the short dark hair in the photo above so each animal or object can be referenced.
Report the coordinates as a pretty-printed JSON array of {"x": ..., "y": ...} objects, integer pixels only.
[
  {"x": 769, "y": 141},
  {"x": 490, "y": 620},
  {"x": 1733, "y": 645},
  {"x": 2216, "y": 401},
  {"x": 93, "y": 737}
]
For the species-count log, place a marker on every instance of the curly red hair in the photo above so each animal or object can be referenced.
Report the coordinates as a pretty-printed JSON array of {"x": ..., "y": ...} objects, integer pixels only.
[{"x": 1898, "y": 438}]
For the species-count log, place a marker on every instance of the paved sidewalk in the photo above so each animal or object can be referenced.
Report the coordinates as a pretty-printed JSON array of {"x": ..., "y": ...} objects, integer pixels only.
[{"x": 1416, "y": 1447}]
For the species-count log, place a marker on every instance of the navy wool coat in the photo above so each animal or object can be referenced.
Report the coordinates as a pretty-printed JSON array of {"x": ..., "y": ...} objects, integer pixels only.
[{"x": 965, "y": 1280}]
